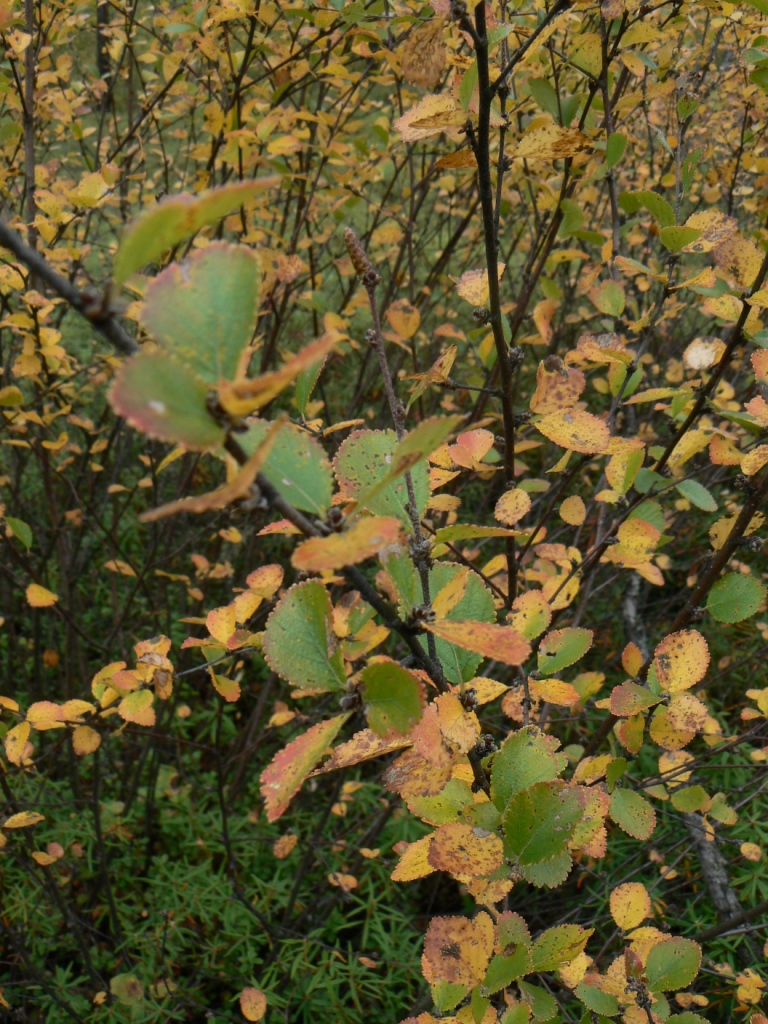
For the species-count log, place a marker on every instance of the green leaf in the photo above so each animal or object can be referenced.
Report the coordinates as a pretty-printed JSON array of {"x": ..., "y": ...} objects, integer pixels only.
[
  {"x": 297, "y": 466},
  {"x": 655, "y": 204},
  {"x": 468, "y": 85},
  {"x": 558, "y": 946},
  {"x": 203, "y": 311},
  {"x": 672, "y": 964},
  {"x": 160, "y": 397},
  {"x": 445, "y": 806},
  {"x": 538, "y": 822},
  {"x": 543, "y": 1005},
  {"x": 686, "y": 106},
  {"x": 759, "y": 76},
  {"x": 545, "y": 96},
  {"x": 676, "y": 239},
  {"x": 503, "y": 970},
  {"x": 127, "y": 989},
  {"x": 688, "y": 1018},
  {"x": 364, "y": 460},
  {"x": 697, "y": 495},
  {"x": 596, "y": 1000},
  {"x": 563, "y": 647},
  {"x": 176, "y": 218},
  {"x": 478, "y": 1004},
  {"x": 305, "y": 384},
  {"x": 519, "y": 1013},
  {"x": 299, "y": 643},
  {"x": 528, "y": 756},
  {"x": 609, "y": 298},
  {"x": 692, "y": 798},
  {"x": 614, "y": 772},
  {"x": 573, "y": 218},
  {"x": 394, "y": 698},
  {"x": 477, "y": 604},
  {"x": 20, "y": 531},
  {"x": 447, "y": 996},
  {"x": 614, "y": 149},
  {"x": 735, "y": 597},
  {"x": 632, "y": 813},
  {"x": 285, "y": 774},
  {"x": 548, "y": 873}
]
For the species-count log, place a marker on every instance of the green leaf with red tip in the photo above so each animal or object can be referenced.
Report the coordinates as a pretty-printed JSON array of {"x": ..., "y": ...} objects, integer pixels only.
[
  {"x": 204, "y": 310},
  {"x": 160, "y": 397},
  {"x": 176, "y": 218}
]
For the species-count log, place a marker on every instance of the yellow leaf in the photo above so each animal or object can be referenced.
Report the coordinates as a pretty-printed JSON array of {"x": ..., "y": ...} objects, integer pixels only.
[
  {"x": 253, "y": 1004},
  {"x": 550, "y": 143},
  {"x": 432, "y": 115},
  {"x": 85, "y": 740},
  {"x": 39, "y": 597},
  {"x": 414, "y": 861},
  {"x": 576, "y": 430},
  {"x": 492, "y": 641},
  {"x": 512, "y": 506},
  {"x": 16, "y": 741},
  {"x": 404, "y": 319},
  {"x": 573, "y": 511},
  {"x": 137, "y": 708},
  {"x": 681, "y": 660},
  {"x": 284, "y": 846},
  {"x": 23, "y": 819},
  {"x": 122, "y": 568},
  {"x": 473, "y": 285},
  {"x": 630, "y": 905},
  {"x": 751, "y": 851}
]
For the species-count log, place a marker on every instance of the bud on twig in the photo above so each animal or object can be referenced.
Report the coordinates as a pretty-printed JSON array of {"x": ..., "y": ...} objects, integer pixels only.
[{"x": 360, "y": 261}]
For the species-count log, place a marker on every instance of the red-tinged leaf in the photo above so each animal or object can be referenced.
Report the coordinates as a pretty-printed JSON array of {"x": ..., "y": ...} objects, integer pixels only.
[
  {"x": 364, "y": 539},
  {"x": 165, "y": 399},
  {"x": 137, "y": 708},
  {"x": 85, "y": 740},
  {"x": 285, "y": 775},
  {"x": 492, "y": 641},
  {"x": 630, "y": 699}
]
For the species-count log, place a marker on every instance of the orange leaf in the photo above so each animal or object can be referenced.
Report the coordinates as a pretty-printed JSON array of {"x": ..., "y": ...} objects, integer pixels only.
[
  {"x": 284, "y": 776},
  {"x": 362, "y": 540},
  {"x": 492, "y": 641}
]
